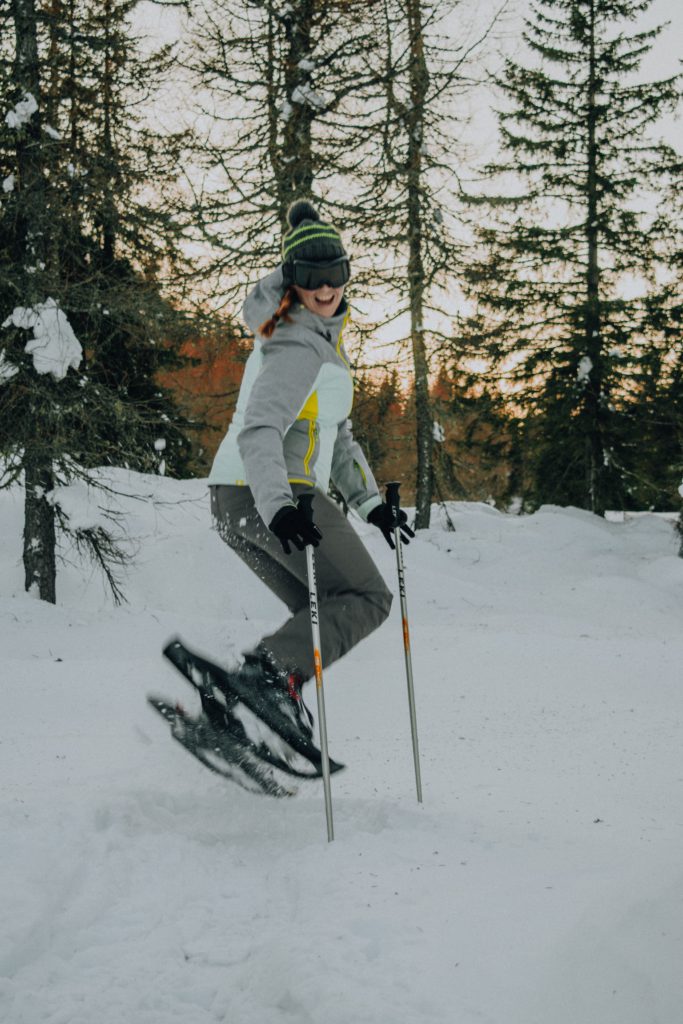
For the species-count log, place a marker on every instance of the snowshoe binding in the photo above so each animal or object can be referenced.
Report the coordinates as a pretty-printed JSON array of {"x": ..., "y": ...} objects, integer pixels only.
[{"x": 264, "y": 701}]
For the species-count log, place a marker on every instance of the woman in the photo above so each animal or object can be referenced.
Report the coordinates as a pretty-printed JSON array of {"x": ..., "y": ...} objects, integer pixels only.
[{"x": 290, "y": 433}]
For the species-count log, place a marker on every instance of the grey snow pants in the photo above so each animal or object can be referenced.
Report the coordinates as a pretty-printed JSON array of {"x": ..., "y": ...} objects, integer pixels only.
[{"x": 352, "y": 596}]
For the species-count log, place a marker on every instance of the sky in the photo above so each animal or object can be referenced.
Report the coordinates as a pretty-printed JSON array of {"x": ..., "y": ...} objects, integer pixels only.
[
  {"x": 665, "y": 58},
  {"x": 165, "y": 25}
]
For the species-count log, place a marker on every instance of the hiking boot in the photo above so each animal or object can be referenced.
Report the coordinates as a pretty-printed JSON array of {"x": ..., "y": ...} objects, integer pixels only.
[
  {"x": 277, "y": 696},
  {"x": 258, "y": 704}
]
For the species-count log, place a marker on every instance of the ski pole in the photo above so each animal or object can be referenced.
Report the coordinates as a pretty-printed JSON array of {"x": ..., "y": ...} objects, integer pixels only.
[
  {"x": 393, "y": 501},
  {"x": 306, "y": 505}
]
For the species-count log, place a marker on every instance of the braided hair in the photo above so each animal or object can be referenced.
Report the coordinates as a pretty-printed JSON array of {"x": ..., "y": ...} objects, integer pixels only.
[{"x": 281, "y": 313}]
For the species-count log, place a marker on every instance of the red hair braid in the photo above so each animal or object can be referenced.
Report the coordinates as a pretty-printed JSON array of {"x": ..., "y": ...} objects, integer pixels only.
[{"x": 281, "y": 313}]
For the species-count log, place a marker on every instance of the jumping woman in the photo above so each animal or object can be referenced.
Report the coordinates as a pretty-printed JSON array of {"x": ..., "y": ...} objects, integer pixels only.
[{"x": 291, "y": 434}]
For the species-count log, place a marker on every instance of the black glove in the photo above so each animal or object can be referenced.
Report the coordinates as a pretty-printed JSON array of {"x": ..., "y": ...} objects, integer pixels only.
[
  {"x": 291, "y": 523},
  {"x": 382, "y": 516}
]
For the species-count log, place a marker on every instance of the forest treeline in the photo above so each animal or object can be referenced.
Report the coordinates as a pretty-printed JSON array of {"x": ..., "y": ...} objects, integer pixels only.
[{"x": 535, "y": 299}]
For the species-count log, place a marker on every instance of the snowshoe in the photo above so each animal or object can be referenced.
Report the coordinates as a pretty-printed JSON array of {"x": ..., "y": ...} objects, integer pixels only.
[
  {"x": 267, "y": 705},
  {"x": 223, "y": 751}
]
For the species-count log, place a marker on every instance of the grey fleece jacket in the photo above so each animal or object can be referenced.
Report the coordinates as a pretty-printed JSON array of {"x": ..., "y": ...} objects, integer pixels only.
[{"x": 291, "y": 422}]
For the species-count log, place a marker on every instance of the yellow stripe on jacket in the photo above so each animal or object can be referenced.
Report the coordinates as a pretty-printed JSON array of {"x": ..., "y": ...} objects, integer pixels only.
[{"x": 310, "y": 413}]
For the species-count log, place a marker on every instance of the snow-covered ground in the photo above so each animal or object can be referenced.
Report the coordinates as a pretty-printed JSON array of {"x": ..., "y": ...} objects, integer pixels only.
[{"x": 541, "y": 882}]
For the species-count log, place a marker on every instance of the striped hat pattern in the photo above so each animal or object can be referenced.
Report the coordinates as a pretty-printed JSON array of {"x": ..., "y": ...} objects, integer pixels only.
[{"x": 310, "y": 238}]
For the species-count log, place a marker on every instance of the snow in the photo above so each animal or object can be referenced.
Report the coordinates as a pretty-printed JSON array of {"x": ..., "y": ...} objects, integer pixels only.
[
  {"x": 305, "y": 94},
  {"x": 584, "y": 368},
  {"x": 8, "y": 183},
  {"x": 54, "y": 346},
  {"x": 88, "y": 507},
  {"x": 23, "y": 111},
  {"x": 541, "y": 880}
]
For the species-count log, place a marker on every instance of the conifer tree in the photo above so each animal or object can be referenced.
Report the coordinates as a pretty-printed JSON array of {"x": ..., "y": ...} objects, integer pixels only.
[
  {"x": 347, "y": 102},
  {"x": 84, "y": 249},
  {"x": 117, "y": 229},
  {"x": 571, "y": 227},
  {"x": 475, "y": 439},
  {"x": 26, "y": 216},
  {"x": 410, "y": 178},
  {"x": 276, "y": 80},
  {"x": 664, "y": 328},
  {"x": 410, "y": 114}
]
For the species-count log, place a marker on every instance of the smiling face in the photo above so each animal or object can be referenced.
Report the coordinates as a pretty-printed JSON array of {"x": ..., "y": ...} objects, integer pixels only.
[{"x": 324, "y": 300}]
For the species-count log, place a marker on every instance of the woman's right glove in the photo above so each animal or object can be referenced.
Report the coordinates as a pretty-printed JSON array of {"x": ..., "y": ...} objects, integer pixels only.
[
  {"x": 382, "y": 516},
  {"x": 291, "y": 524}
]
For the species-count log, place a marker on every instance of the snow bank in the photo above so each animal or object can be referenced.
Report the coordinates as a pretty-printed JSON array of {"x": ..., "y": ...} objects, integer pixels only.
[{"x": 540, "y": 881}]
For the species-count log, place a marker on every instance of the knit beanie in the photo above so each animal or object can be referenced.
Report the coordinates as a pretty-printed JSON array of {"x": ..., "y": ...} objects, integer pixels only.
[{"x": 309, "y": 237}]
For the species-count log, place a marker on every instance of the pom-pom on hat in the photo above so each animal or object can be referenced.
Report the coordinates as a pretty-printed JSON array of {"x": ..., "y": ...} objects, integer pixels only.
[{"x": 309, "y": 237}]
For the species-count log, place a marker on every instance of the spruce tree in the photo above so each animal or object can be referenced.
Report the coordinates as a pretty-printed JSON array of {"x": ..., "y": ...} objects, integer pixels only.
[
  {"x": 85, "y": 250},
  {"x": 571, "y": 230},
  {"x": 660, "y": 438},
  {"x": 125, "y": 286},
  {"x": 26, "y": 217}
]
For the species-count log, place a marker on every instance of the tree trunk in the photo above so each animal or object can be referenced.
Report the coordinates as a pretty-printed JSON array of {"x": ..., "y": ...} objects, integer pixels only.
[
  {"x": 595, "y": 454},
  {"x": 31, "y": 218},
  {"x": 39, "y": 531},
  {"x": 108, "y": 212},
  {"x": 419, "y": 81},
  {"x": 294, "y": 170},
  {"x": 39, "y": 519}
]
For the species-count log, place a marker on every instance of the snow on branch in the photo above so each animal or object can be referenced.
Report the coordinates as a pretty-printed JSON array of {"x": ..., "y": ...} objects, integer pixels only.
[
  {"x": 54, "y": 346},
  {"x": 306, "y": 95},
  {"x": 22, "y": 112},
  {"x": 584, "y": 368}
]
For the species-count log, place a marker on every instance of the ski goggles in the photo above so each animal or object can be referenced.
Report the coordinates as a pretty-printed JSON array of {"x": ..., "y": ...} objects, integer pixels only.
[{"x": 311, "y": 276}]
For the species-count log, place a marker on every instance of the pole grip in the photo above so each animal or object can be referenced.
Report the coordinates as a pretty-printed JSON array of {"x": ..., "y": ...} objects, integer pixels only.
[
  {"x": 393, "y": 497},
  {"x": 306, "y": 505}
]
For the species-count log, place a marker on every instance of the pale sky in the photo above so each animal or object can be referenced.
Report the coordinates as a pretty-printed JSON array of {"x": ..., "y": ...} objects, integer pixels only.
[{"x": 164, "y": 25}]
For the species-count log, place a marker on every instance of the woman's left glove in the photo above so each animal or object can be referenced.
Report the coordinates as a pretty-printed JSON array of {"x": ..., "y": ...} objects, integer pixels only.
[{"x": 382, "y": 516}]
